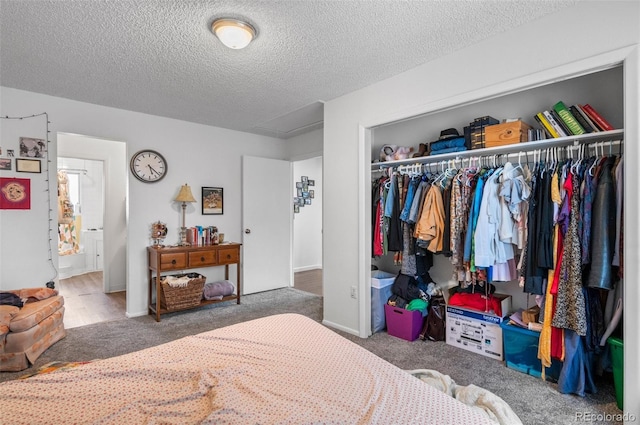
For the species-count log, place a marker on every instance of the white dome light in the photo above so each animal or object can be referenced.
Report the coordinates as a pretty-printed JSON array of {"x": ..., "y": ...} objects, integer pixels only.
[{"x": 233, "y": 33}]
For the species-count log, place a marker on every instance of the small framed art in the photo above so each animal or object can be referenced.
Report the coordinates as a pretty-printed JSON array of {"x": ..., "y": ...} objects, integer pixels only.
[
  {"x": 5, "y": 163},
  {"x": 28, "y": 165},
  {"x": 212, "y": 200}
]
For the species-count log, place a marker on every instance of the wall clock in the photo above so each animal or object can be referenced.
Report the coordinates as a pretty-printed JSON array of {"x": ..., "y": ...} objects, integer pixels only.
[{"x": 148, "y": 166}]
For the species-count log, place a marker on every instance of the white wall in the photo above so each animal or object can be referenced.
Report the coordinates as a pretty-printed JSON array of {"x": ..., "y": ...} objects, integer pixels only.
[
  {"x": 307, "y": 224},
  {"x": 197, "y": 154},
  {"x": 306, "y": 145},
  {"x": 510, "y": 60}
]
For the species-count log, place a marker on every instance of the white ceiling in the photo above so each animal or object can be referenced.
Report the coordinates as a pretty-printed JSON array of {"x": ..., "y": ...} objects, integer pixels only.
[{"x": 160, "y": 57}]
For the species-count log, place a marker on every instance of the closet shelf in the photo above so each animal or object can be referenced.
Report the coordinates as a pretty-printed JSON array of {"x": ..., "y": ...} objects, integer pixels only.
[{"x": 603, "y": 136}]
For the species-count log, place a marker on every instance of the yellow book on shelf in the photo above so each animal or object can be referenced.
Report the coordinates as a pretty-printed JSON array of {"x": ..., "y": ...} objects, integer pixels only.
[{"x": 546, "y": 124}]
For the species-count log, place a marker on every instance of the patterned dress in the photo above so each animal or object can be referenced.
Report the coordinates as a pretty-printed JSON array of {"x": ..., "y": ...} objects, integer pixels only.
[{"x": 570, "y": 307}]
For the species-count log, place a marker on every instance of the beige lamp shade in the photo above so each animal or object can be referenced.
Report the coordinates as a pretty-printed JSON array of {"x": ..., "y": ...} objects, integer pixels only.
[{"x": 185, "y": 194}]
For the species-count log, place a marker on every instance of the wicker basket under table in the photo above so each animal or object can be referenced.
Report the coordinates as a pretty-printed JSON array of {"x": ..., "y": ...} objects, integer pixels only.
[{"x": 179, "y": 298}]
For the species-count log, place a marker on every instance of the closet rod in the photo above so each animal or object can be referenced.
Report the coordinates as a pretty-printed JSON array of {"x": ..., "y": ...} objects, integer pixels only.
[
  {"x": 82, "y": 170},
  {"x": 603, "y": 136}
]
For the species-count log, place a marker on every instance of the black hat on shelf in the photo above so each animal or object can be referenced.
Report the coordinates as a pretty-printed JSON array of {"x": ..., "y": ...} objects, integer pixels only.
[{"x": 449, "y": 133}]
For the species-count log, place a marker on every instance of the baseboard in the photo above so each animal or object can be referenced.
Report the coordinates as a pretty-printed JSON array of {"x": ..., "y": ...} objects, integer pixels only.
[
  {"x": 340, "y": 328},
  {"x": 139, "y": 314},
  {"x": 307, "y": 268}
]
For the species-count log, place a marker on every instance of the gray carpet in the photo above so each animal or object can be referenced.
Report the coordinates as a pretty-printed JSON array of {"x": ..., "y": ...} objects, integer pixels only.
[{"x": 533, "y": 400}]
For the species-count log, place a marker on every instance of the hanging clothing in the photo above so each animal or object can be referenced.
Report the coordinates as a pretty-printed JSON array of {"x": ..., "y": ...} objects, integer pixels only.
[
  {"x": 430, "y": 228},
  {"x": 392, "y": 214},
  {"x": 576, "y": 375},
  {"x": 619, "y": 177},
  {"x": 532, "y": 275},
  {"x": 570, "y": 307},
  {"x": 603, "y": 231}
]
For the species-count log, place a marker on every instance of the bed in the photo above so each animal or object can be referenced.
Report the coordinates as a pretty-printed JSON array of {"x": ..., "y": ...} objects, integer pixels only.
[{"x": 279, "y": 369}]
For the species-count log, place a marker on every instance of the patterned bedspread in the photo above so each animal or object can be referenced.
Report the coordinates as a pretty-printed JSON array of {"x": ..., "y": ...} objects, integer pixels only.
[{"x": 275, "y": 370}]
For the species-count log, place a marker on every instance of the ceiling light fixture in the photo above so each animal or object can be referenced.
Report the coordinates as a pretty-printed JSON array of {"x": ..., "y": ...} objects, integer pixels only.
[{"x": 233, "y": 33}]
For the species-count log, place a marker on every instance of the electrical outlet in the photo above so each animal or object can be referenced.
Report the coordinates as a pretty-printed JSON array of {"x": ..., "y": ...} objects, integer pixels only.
[{"x": 354, "y": 293}]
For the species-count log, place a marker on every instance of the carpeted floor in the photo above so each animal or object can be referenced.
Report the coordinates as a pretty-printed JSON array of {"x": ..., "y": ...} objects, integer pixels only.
[{"x": 533, "y": 400}]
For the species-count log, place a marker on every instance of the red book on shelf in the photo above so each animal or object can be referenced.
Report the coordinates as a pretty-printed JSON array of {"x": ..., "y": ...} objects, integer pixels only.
[{"x": 596, "y": 117}]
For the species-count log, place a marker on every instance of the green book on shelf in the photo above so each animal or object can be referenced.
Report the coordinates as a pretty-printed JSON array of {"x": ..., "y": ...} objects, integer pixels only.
[{"x": 568, "y": 118}]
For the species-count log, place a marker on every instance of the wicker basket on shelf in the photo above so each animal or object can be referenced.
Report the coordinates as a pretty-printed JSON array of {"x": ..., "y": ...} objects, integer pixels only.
[{"x": 181, "y": 297}]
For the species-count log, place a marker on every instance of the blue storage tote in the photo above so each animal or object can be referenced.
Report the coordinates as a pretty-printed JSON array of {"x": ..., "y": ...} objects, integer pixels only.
[
  {"x": 381, "y": 283},
  {"x": 521, "y": 352},
  {"x": 403, "y": 323}
]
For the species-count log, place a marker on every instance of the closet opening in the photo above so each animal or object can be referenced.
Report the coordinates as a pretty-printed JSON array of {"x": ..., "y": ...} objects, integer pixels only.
[{"x": 595, "y": 289}]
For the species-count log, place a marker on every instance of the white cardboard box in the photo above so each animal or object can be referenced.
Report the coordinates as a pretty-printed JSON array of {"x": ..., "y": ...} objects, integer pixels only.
[{"x": 476, "y": 331}]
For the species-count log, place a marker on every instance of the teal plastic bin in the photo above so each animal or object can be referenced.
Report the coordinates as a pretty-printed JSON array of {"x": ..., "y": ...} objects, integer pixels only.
[
  {"x": 521, "y": 352},
  {"x": 617, "y": 361}
]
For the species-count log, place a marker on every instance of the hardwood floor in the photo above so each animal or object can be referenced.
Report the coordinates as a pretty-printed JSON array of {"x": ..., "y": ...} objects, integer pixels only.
[
  {"x": 309, "y": 281},
  {"x": 86, "y": 303}
]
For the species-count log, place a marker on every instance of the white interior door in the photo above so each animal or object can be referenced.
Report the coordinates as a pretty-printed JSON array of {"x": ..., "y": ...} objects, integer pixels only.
[{"x": 266, "y": 219}]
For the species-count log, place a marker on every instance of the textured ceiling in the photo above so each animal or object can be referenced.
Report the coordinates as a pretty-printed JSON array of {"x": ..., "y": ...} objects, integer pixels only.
[{"x": 160, "y": 57}]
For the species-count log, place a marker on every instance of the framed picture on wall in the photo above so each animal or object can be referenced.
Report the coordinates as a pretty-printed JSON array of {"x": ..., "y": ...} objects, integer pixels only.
[
  {"x": 212, "y": 200},
  {"x": 28, "y": 165},
  {"x": 33, "y": 148},
  {"x": 5, "y": 163},
  {"x": 15, "y": 194}
]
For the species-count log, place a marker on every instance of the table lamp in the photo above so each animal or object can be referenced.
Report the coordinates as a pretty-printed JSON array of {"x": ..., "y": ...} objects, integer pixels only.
[{"x": 184, "y": 196}]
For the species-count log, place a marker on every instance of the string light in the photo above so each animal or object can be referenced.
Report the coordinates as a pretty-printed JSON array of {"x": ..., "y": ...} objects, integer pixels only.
[{"x": 49, "y": 284}]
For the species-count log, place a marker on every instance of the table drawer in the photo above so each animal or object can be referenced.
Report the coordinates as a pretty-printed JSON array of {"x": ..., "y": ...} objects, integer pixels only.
[
  {"x": 202, "y": 259},
  {"x": 171, "y": 261},
  {"x": 228, "y": 256}
]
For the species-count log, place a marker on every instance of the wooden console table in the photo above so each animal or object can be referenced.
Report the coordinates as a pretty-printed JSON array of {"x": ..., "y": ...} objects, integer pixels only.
[{"x": 166, "y": 259}]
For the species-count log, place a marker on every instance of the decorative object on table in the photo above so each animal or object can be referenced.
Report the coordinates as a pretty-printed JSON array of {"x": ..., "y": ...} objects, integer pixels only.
[
  {"x": 148, "y": 166},
  {"x": 215, "y": 237},
  {"x": 184, "y": 196},
  {"x": 15, "y": 194},
  {"x": 221, "y": 238},
  {"x": 28, "y": 165},
  {"x": 158, "y": 233},
  {"x": 212, "y": 200}
]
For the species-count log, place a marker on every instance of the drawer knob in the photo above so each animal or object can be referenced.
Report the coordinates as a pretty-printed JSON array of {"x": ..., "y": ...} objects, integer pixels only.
[
  {"x": 202, "y": 259},
  {"x": 173, "y": 261},
  {"x": 228, "y": 256}
]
